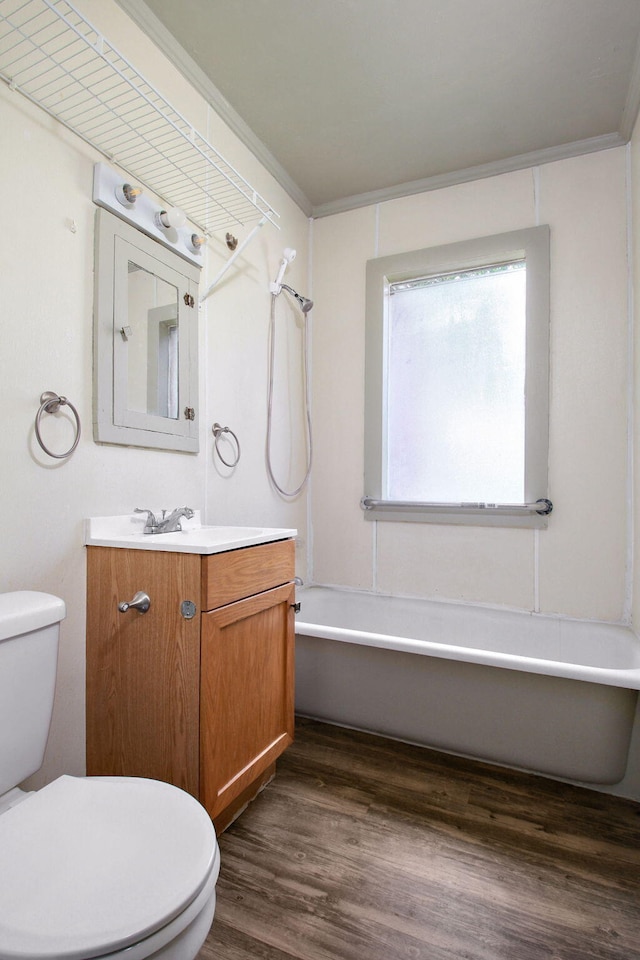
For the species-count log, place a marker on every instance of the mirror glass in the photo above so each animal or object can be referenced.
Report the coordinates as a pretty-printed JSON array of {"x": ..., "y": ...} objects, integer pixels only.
[{"x": 151, "y": 335}]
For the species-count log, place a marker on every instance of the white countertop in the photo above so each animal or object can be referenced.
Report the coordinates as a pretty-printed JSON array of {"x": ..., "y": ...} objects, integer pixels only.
[{"x": 126, "y": 532}]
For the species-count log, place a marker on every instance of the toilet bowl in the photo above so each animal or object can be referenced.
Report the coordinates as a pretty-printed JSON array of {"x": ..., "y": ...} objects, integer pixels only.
[{"x": 90, "y": 867}]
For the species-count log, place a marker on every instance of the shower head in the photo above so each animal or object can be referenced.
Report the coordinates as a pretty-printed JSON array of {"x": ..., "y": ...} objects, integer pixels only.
[{"x": 304, "y": 302}]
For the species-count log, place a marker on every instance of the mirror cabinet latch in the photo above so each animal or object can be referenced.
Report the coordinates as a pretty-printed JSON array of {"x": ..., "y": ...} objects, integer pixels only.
[{"x": 189, "y": 413}]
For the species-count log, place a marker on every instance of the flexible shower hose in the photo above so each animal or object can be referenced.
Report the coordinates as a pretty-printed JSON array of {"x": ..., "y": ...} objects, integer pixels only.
[{"x": 305, "y": 350}]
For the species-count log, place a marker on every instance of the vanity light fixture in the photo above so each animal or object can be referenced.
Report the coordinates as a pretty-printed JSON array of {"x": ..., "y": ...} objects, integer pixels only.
[{"x": 168, "y": 225}]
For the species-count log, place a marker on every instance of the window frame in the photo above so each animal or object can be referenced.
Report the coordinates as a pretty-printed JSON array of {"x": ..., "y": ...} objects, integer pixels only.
[{"x": 532, "y": 245}]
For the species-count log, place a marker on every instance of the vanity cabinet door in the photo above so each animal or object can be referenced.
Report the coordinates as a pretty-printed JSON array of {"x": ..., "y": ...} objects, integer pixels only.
[
  {"x": 143, "y": 669},
  {"x": 246, "y": 698}
]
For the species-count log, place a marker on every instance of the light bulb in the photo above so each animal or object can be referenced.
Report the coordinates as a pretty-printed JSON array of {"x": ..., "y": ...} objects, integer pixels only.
[
  {"x": 173, "y": 218},
  {"x": 197, "y": 242},
  {"x": 127, "y": 194}
]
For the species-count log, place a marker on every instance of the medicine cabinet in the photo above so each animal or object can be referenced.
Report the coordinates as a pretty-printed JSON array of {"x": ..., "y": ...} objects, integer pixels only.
[{"x": 145, "y": 341}]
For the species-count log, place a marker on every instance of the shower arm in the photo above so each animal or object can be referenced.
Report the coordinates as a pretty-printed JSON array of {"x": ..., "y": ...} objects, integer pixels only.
[{"x": 304, "y": 303}]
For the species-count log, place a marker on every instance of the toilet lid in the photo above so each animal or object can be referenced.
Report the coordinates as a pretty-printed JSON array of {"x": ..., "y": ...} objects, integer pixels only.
[{"x": 91, "y": 865}]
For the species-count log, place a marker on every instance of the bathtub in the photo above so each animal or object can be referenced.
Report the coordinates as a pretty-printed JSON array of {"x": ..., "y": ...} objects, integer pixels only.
[{"x": 542, "y": 693}]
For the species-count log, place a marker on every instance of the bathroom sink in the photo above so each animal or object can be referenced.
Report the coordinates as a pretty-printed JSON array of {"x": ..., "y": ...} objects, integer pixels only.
[{"x": 126, "y": 532}]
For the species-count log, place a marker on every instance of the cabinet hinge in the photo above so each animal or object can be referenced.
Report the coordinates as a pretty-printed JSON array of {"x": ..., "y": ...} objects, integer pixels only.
[
  {"x": 189, "y": 413},
  {"x": 188, "y": 299}
]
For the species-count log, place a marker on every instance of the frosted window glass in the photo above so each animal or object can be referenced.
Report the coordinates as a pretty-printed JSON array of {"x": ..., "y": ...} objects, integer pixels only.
[{"x": 455, "y": 387}]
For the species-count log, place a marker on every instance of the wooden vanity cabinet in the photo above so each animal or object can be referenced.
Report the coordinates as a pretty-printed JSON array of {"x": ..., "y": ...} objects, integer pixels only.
[{"x": 205, "y": 703}]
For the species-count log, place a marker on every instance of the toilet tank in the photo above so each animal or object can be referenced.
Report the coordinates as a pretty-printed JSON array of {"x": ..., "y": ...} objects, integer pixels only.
[{"x": 29, "y": 629}]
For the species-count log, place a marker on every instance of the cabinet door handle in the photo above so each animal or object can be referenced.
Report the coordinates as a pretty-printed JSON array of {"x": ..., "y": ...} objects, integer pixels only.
[{"x": 140, "y": 602}]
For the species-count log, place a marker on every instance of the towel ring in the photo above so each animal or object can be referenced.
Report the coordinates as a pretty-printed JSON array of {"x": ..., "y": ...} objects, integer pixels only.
[
  {"x": 50, "y": 403},
  {"x": 217, "y": 430}
]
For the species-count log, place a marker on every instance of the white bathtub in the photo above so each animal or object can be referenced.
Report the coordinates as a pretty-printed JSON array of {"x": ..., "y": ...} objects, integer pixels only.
[{"x": 561, "y": 702}]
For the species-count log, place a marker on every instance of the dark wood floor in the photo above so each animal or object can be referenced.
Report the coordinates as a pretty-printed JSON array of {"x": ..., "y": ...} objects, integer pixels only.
[{"x": 366, "y": 849}]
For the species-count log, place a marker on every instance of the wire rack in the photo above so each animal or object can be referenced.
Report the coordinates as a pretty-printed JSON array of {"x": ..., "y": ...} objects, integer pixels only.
[{"x": 58, "y": 60}]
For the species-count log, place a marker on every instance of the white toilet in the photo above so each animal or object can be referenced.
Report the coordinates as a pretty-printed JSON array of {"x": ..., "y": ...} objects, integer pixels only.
[{"x": 90, "y": 867}]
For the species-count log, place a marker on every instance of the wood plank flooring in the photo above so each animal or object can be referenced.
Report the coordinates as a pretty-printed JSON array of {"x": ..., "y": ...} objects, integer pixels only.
[{"x": 367, "y": 849}]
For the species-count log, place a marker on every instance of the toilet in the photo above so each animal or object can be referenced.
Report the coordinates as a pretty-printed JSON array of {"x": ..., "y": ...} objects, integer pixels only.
[{"x": 122, "y": 868}]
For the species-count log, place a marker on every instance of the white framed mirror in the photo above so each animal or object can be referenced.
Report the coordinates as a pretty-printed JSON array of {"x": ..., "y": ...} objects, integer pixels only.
[{"x": 145, "y": 341}]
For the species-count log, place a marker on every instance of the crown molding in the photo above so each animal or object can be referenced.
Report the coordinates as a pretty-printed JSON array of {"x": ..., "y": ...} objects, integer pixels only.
[
  {"x": 493, "y": 169},
  {"x": 141, "y": 15}
]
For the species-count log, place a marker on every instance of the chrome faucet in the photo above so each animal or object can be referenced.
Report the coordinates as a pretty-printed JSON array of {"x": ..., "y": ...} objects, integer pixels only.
[{"x": 170, "y": 524}]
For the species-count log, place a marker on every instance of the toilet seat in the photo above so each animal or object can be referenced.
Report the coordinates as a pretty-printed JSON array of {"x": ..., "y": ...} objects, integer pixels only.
[{"x": 92, "y": 866}]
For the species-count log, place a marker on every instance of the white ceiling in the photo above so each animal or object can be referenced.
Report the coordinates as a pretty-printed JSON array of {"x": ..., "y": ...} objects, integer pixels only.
[{"x": 350, "y": 101}]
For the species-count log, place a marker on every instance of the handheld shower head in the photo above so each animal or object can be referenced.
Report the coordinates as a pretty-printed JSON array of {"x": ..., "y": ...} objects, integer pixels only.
[
  {"x": 288, "y": 256},
  {"x": 304, "y": 303}
]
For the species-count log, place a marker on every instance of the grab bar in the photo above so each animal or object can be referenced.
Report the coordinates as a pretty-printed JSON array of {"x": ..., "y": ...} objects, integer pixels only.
[{"x": 541, "y": 506}]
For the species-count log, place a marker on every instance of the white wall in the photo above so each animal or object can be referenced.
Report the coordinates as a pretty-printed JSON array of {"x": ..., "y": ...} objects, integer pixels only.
[
  {"x": 578, "y": 565},
  {"x": 46, "y": 303}
]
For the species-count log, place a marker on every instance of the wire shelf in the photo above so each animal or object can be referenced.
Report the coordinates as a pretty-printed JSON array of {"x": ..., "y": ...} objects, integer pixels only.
[{"x": 58, "y": 60}]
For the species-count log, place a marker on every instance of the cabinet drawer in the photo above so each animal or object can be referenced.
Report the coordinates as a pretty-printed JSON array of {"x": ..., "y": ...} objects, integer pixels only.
[{"x": 231, "y": 576}]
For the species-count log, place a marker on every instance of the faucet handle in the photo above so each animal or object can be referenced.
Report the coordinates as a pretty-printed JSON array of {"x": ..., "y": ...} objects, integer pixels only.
[{"x": 151, "y": 523}]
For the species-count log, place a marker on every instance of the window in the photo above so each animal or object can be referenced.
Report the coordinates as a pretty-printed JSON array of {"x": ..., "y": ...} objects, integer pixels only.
[{"x": 456, "y": 407}]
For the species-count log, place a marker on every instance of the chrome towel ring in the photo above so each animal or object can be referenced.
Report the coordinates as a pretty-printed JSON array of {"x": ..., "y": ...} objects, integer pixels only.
[
  {"x": 217, "y": 430},
  {"x": 50, "y": 403}
]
